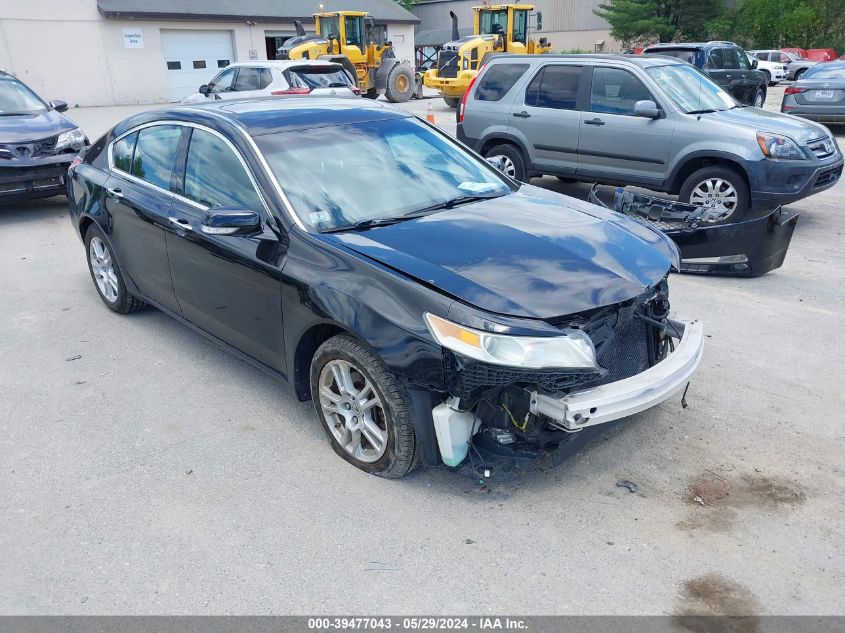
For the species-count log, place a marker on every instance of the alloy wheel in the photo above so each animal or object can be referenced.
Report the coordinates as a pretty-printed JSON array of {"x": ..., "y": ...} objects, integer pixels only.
[
  {"x": 353, "y": 410},
  {"x": 759, "y": 100},
  {"x": 719, "y": 196},
  {"x": 102, "y": 266}
]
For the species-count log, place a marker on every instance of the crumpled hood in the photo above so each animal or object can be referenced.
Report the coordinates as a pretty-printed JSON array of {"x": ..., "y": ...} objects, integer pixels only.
[
  {"x": 758, "y": 120},
  {"x": 534, "y": 253},
  {"x": 23, "y": 128}
]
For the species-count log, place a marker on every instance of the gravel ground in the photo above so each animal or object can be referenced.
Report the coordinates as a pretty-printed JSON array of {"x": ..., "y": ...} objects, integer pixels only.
[{"x": 147, "y": 472}]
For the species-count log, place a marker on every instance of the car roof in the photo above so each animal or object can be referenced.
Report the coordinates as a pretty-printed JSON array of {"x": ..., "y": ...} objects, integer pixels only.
[
  {"x": 283, "y": 63},
  {"x": 269, "y": 115},
  {"x": 644, "y": 61}
]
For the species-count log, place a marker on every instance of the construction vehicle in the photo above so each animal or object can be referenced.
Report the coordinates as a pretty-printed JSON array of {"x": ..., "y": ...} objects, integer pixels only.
[
  {"x": 351, "y": 39},
  {"x": 499, "y": 28}
]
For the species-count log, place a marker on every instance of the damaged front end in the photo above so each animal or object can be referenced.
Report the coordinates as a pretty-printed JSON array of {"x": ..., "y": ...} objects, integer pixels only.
[
  {"x": 741, "y": 249},
  {"x": 503, "y": 415}
]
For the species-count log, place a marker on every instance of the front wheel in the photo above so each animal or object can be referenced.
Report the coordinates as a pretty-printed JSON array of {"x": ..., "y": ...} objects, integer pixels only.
[
  {"x": 759, "y": 98},
  {"x": 363, "y": 408},
  {"x": 513, "y": 164},
  {"x": 400, "y": 84},
  {"x": 722, "y": 190},
  {"x": 452, "y": 102}
]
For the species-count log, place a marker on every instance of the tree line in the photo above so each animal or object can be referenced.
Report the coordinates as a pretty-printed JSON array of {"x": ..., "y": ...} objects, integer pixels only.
[{"x": 750, "y": 23}]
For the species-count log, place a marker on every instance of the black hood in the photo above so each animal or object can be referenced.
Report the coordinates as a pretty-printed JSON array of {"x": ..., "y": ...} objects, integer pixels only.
[
  {"x": 21, "y": 128},
  {"x": 533, "y": 253}
]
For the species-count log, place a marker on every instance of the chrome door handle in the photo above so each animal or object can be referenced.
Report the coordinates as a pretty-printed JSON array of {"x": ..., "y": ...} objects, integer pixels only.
[
  {"x": 521, "y": 115},
  {"x": 114, "y": 192},
  {"x": 181, "y": 223}
]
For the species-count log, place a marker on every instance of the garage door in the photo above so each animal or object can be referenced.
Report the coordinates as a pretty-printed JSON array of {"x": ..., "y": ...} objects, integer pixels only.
[{"x": 194, "y": 57}]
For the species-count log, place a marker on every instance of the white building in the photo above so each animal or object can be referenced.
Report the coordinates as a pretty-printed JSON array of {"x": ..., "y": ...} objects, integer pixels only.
[{"x": 110, "y": 52}]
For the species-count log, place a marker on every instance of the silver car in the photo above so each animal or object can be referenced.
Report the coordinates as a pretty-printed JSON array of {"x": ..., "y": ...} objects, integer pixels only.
[
  {"x": 819, "y": 95},
  {"x": 650, "y": 121}
]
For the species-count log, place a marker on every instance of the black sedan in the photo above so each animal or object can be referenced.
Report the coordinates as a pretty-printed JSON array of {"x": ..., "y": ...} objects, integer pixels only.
[
  {"x": 427, "y": 304},
  {"x": 37, "y": 143}
]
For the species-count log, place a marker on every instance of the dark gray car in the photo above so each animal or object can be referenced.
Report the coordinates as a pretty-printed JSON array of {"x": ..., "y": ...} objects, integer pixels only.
[
  {"x": 819, "y": 95},
  {"x": 652, "y": 121}
]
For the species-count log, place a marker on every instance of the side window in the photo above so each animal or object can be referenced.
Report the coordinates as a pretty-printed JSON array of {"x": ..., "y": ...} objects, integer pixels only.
[
  {"x": 732, "y": 61},
  {"x": 215, "y": 177},
  {"x": 762, "y": 56},
  {"x": 555, "y": 87},
  {"x": 223, "y": 81},
  {"x": 265, "y": 78},
  {"x": 155, "y": 152},
  {"x": 716, "y": 59},
  {"x": 742, "y": 60},
  {"x": 248, "y": 79},
  {"x": 616, "y": 91},
  {"x": 498, "y": 80},
  {"x": 122, "y": 152}
]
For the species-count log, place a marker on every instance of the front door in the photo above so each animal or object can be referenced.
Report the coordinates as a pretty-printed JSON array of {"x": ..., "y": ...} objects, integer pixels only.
[
  {"x": 719, "y": 71},
  {"x": 138, "y": 200},
  {"x": 228, "y": 285},
  {"x": 547, "y": 114},
  {"x": 614, "y": 144}
]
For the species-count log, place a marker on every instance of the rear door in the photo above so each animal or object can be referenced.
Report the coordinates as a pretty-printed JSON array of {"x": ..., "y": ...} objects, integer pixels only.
[
  {"x": 251, "y": 82},
  {"x": 614, "y": 145},
  {"x": 737, "y": 62},
  {"x": 548, "y": 115},
  {"x": 138, "y": 200}
]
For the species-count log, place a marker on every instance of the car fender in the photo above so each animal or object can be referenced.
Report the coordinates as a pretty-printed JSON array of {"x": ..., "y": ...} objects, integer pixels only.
[
  {"x": 387, "y": 64},
  {"x": 501, "y": 134},
  {"x": 705, "y": 149}
]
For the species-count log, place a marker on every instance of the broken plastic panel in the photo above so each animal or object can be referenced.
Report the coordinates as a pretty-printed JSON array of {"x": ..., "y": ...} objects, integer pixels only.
[{"x": 741, "y": 249}]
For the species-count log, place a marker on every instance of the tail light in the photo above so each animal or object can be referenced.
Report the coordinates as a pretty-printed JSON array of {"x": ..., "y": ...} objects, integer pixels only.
[
  {"x": 463, "y": 103},
  {"x": 292, "y": 91},
  {"x": 794, "y": 90}
]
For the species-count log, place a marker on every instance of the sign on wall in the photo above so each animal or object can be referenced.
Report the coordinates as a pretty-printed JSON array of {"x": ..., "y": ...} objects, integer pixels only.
[{"x": 133, "y": 38}]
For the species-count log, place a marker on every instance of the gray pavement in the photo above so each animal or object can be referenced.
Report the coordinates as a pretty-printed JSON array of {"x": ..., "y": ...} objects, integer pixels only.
[{"x": 144, "y": 471}]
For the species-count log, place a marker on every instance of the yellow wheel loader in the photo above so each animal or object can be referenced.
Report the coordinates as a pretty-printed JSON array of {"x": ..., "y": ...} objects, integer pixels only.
[
  {"x": 349, "y": 38},
  {"x": 498, "y": 28}
]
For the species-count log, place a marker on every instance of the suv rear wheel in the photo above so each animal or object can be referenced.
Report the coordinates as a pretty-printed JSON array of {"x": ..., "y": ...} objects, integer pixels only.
[
  {"x": 759, "y": 98},
  {"x": 721, "y": 189},
  {"x": 513, "y": 163}
]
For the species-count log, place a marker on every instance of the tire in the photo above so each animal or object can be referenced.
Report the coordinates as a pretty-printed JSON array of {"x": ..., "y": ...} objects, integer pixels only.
[
  {"x": 695, "y": 191},
  {"x": 400, "y": 84},
  {"x": 799, "y": 74},
  {"x": 372, "y": 93},
  {"x": 515, "y": 165},
  {"x": 452, "y": 102},
  {"x": 106, "y": 274},
  {"x": 759, "y": 98},
  {"x": 397, "y": 454}
]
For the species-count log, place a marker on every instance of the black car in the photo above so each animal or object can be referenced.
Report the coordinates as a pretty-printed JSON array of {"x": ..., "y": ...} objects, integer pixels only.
[
  {"x": 37, "y": 143},
  {"x": 726, "y": 63},
  {"x": 424, "y": 301}
]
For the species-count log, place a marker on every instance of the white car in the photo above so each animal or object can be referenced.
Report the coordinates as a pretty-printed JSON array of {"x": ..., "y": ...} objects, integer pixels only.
[
  {"x": 776, "y": 71},
  {"x": 266, "y": 78}
]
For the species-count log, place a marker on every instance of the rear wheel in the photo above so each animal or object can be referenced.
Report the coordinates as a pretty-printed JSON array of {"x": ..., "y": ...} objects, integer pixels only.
[
  {"x": 513, "y": 164},
  {"x": 759, "y": 98},
  {"x": 363, "y": 408},
  {"x": 722, "y": 190},
  {"x": 400, "y": 84},
  {"x": 107, "y": 275},
  {"x": 799, "y": 74},
  {"x": 452, "y": 102}
]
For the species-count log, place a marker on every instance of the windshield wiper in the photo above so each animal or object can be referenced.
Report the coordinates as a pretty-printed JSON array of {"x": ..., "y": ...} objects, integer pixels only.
[
  {"x": 368, "y": 224},
  {"x": 705, "y": 111},
  {"x": 454, "y": 202}
]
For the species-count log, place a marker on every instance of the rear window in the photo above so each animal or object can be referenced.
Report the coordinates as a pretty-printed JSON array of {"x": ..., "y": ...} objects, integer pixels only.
[
  {"x": 318, "y": 77},
  {"x": 825, "y": 72},
  {"x": 498, "y": 80}
]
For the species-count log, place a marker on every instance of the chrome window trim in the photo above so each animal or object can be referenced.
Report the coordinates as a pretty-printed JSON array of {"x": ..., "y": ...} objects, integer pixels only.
[{"x": 180, "y": 197}]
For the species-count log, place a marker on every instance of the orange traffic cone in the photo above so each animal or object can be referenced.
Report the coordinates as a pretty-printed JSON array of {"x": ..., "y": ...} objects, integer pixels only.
[{"x": 429, "y": 115}]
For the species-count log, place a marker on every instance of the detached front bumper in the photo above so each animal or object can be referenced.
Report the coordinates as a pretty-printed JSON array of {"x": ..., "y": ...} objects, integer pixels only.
[{"x": 580, "y": 409}]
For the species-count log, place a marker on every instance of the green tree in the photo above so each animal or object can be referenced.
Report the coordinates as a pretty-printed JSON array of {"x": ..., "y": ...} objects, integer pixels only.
[{"x": 634, "y": 22}]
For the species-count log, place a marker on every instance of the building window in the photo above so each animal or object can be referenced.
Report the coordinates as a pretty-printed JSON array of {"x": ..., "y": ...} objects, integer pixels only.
[
  {"x": 174, "y": 65},
  {"x": 222, "y": 63},
  {"x": 199, "y": 63}
]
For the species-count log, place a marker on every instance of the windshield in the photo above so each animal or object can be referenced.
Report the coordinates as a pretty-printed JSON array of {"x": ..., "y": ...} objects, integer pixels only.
[
  {"x": 678, "y": 53},
  {"x": 825, "y": 71},
  {"x": 15, "y": 98},
  {"x": 344, "y": 174},
  {"x": 691, "y": 90},
  {"x": 319, "y": 77},
  {"x": 493, "y": 22}
]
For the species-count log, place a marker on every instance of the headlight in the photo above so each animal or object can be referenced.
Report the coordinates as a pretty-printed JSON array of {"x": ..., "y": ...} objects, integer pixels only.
[
  {"x": 573, "y": 349},
  {"x": 71, "y": 138},
  {"x": 777, "y": 146}
]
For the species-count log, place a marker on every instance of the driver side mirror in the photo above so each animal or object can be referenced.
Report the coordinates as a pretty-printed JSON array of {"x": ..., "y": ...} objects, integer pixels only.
[
  {"x": 58, "y": 106},
  {"x": 230, "y": 221},
  {"x": 203, "y": 89},
  {"x": 498, "y": 162},
  {"x": 647, "y": 109}
]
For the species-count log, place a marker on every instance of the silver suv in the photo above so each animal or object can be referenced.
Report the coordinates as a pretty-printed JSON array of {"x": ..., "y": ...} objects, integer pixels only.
[{"x": 653, "y": 121}]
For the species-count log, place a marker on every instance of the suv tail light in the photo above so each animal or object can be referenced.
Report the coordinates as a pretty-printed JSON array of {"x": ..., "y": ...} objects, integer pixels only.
[
  {"x": 794, "y": 90},
  {"x": 292, "y": 91},
  {"x": 463, "y": 103}
]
